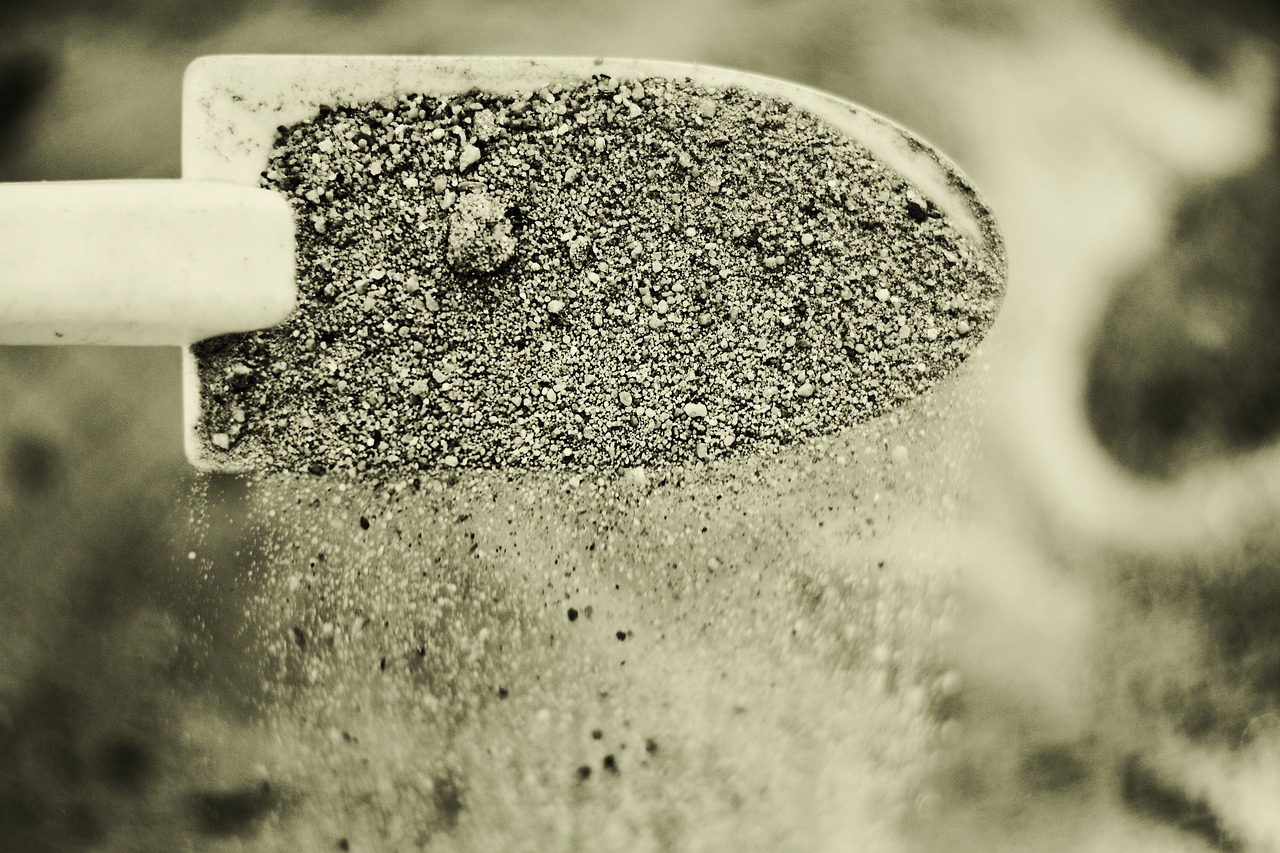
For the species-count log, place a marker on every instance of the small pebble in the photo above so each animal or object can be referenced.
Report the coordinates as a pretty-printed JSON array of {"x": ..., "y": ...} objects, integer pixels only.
[
  {"x": 469, "y": 156},
  {"x": 481, "y": 238}
]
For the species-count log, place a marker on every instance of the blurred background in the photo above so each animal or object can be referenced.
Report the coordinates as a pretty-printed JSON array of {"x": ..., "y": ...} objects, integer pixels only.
[{"x": 1125, "y": 145}]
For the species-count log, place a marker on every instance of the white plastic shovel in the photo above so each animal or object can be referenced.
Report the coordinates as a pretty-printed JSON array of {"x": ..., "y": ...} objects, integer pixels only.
[{"x": 173, "y": 262}]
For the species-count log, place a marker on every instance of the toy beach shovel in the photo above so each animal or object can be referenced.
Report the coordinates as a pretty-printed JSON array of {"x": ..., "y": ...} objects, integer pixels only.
[{"x": 174, "y": 262}]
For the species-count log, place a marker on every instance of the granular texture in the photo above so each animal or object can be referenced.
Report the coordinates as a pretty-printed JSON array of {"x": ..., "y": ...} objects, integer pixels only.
[{"x": 614, "y": 274}]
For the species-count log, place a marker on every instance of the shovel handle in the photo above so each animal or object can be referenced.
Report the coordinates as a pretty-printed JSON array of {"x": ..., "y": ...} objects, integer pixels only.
[{"x": 135, "y": 263}]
